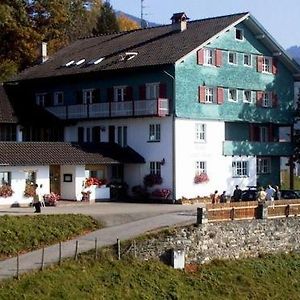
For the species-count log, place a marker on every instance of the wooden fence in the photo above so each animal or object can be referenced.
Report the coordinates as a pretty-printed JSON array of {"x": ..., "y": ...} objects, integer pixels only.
[{"x": 251, "y": 210}]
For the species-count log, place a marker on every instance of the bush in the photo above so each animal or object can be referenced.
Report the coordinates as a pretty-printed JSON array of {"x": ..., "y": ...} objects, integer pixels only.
[
  {"x": 6, "y": 191},
  {"x": 152, "y": 179}
]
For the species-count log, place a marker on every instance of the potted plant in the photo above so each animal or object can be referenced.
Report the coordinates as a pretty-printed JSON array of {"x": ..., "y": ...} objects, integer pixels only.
[
  {"x": 201, "y": 178},
  {"x": 6, "y": 191}
]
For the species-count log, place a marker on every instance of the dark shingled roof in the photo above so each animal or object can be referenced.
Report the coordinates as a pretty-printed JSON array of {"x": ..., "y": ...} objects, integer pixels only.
[
  {"x": 7, "y": 114},
  {"x": 155, "y": 46},
  {"x": 47, "y": 153}
]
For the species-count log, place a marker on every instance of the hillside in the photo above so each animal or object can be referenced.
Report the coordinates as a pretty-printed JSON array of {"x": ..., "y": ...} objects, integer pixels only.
[
  {"x": 294, "y": 51},
  {"x": 135, "y": 19}
]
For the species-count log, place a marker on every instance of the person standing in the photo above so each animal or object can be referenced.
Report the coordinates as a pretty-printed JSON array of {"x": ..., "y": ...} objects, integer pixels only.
[
  {"x": 270, "y": 191},
  {"x": 237, "y": 194},
  {"x": 261, "y": 196},
  {"x": 277, "y": 194},
  {"x": 215, "y": 198},
  {"x": 36, "y": 199},
  {"x": 223, "y": 197}
]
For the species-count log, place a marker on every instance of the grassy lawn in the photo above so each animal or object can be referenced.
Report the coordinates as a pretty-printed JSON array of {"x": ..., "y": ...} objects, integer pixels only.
[
  {"x": 270, "y": 277},
  {"x": 23, "y": 233}
]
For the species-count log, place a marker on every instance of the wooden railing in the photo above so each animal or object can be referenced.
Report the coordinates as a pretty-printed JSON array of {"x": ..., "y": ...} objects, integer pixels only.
[{"x": 248, "y": 210}]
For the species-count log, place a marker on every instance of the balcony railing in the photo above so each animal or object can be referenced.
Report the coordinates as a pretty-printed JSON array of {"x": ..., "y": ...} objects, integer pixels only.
[
  {"x": 157, "y": 107},
  {"x": 257, "y": 148}
]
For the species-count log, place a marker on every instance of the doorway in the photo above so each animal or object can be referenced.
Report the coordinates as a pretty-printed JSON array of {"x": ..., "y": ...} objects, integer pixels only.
[{"x": 55, "y": 179}]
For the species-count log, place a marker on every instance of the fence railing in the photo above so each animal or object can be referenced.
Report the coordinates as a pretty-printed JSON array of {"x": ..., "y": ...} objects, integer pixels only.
[{"x": 248, "y": 210}]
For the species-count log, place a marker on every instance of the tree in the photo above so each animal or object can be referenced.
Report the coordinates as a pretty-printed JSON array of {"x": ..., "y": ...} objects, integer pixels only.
[
  {"x": 107, "y": 20},
  {"x": 126, "y": 24}
]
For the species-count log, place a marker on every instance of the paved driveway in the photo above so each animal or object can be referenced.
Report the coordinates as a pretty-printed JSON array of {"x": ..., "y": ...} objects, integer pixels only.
[{"x": 111, "y": 213}]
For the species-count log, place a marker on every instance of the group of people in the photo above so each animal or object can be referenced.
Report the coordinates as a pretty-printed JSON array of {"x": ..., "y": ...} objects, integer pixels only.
[{"x": 269, "y": 194}]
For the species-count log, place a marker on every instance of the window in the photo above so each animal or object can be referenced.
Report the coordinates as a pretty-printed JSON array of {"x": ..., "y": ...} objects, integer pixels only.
[
  {"x": 152, "y": 91},
  {"x": 8, "y": 132},
  {"x": 240, "y": 169},
  {"x": 122, "y": 136},
  {"x": 263, "y": 134},
  {"x": 239, "y": 34},
  {"x": 30, "y": 178},
  {"x": 58, "y": 98},
  {"x": 247, "y": 60},
  {"x": 267, "y": 64},
  {"x": 263, "y": 165},
  {"x": 209, "y": 57},
  {"x": 200, "y": 167},
  {"x": 232, "y": 58},
  {"x": 40, "y": 99},
  {"x": 154, "y": 132},
  {"x": 119, "y": 94},
  {"x": 247, "y": 96},
  {"x": 5, "y": 178},
  {"x": 87, "y": 96},
  {"x": 266, "y": 100},
  {"x": 232, "y": 95},
  {"x": 155, "y": 168},
  {"x": 200, "y": 132},
  {"x": 209, "y": 95}
]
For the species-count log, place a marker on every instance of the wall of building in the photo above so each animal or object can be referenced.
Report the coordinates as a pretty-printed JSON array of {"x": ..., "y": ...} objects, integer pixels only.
[
  {"x": 226, "y": 240},
  {"x": 18, "y": 183},
  {"x": 219, "y": 167}
]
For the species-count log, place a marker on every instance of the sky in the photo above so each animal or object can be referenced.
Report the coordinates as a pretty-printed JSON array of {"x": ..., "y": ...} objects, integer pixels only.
[{"x": 281, "y": 18}]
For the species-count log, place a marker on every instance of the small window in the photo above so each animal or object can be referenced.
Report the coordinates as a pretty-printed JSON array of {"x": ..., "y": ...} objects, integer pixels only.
[
  {"x": 240, "y": 169},
  {"x": 58, "y": 98},
  {"x": 247, "y": 60},
  {"x": 152, "y": 91},
  {"x": 232, "y": 58},
  {"x": 232, "y": 95},
  {"x": 5, "y": 178},
  {"x": 122, "y": 136},
  {"x": 209, "y": 95},
  {"x": 200, "y": 167},
  {"x": 247, "y": 96},
  {"x": 263, "y": 134},
  {"x": 155, "y": 168},
  {"x": 239, "y": 34},
  {"x": 263, "y": 165},
  {"x": 119, "y": 93},
  {"x": 40, "y": 99},
  {"x": 267, "y": 64},
  {"x": 266, "y": 101},
  {"x": 209, "y": 57},
  {"x": 154, "y": 132},
  {"x": 200, "y": 132}
]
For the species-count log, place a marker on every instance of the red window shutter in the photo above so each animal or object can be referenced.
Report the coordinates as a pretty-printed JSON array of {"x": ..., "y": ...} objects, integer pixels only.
[
  {"x": 260, "y": 63},
  {"x": 162, "y": 90},
  {"x": 110, "y": 94},
  {"x": 142, "y": 92},
  {"x": 274, "y": 100},
  {"x": 259, "y": 98},
  {"x": 128, "y": 94},
  {"x": 200, "y": 57},
  {"x": 274, "y": 66},
  {"x": 201, "y": 92},
  {"x": 218, "y": 57},
  {"x": 220, "y": 95},
  {"x": 271, "y": 133}
]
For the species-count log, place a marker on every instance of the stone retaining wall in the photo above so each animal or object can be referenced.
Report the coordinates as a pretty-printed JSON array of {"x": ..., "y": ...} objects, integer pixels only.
[{"x": 224, "y": 240}]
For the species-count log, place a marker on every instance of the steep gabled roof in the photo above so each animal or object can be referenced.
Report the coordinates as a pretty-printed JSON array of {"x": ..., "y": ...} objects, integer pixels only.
[
  {"x": 155, "y": 46},
  {"x": 7, "y": 114},
  {"x": 47, "y": 153}
]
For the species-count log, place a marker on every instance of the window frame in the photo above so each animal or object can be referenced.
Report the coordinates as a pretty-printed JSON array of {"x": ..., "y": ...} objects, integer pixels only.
[
  {"x": 236, "y": 95},
  {"x": 249, "y": 65},
  {"x": 241, "y": 33},
  {"x": 267, "y": 100},
  {"x": 5, "y": 180},
  {"x": 120, "y": 93},
  {"x": 263, "y": 165},
  {"x": 245, "y": 98},
  {"x": 210, "y": 93},
  {"x": 56, "y": 98},
  {"x": 122, "y": 132},
  {"x": 40, "y": 99},
  {"x": 240, "y": 168},
  {"x": 155, "y": 168},
  {"x": 209, "y": 57},
  {"x": 263, "y": 134},
  {"x": 234, "y": 58},
  {"x": 152, "y": 91},
  {"x": 267, "y": 63},
  {"x": 200, "y": 167},
  {"x": 200, "y": 133},
  {"x": 87, "y": 96},
  {"x": 154, "y": 132}
]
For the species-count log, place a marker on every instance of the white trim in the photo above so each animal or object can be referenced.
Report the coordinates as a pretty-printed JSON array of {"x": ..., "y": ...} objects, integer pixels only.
[
  {"x": 250, "y": 60},
  {"x": 123, "y": 87},
  {"x": 251, "y": 96},
  {"x": 235, "y": 56},
  {"x": 236, "y": 95}
]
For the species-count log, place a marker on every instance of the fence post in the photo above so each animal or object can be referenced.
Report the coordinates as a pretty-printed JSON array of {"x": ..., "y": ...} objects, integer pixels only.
[
  {"x": 287, "y": 210},
  {"x": 59, "y": 253},
  {"x": 76, "y": 251},
  {"x": 202, "y": 215},
  {"x": 262, "y": 210},
  {"x": 18, "y": 266},
  {"x": 134, "y": 245},
  {"x": 96, "y": 248},
  {"x": 119, "y": 249},
  {"x": 43, "y": 259},
  {"x": 232, "y": 213}
]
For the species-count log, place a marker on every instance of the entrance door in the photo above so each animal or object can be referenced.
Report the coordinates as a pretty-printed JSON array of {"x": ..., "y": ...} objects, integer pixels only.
[{"x": 55, "y": 179}]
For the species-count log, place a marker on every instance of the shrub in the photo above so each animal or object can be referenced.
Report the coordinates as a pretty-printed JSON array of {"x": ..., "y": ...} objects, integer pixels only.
[
  {"x": 152, "y": 179},
  {"x": 6, "y": 191}
]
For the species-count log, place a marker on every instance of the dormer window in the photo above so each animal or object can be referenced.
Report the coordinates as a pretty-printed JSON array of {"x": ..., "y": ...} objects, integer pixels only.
[{"x": 239, "y": 34}]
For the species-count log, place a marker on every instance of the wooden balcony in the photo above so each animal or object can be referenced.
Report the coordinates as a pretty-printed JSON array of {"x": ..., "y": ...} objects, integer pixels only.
[{"x": 158, "y": 107}]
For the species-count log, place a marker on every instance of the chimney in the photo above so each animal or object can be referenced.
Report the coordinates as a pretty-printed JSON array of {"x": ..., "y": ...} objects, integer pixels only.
[
  {"x": 179, "y": 21},
  {"x": 44, "y": 56}
]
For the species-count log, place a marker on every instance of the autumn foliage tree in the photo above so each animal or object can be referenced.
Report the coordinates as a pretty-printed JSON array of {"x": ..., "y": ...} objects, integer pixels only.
[{"x": 126, "y": 24}]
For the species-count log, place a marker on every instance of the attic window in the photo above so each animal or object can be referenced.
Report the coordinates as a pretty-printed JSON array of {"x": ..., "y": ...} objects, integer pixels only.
[
  {"x": 70, "y": 63},
  {"x": 80, "y": 62},
  {"x": 96, "y": 61},
  {"x": 128, "y": 56},
  {"x": 239, "y": 34}
]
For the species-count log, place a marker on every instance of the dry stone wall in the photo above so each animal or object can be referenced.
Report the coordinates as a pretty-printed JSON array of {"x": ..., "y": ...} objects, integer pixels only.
[{"x": 224, "y": 240}]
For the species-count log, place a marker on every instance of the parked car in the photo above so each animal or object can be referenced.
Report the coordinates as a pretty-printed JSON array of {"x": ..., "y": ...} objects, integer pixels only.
[{"x": 290, "y": 194}]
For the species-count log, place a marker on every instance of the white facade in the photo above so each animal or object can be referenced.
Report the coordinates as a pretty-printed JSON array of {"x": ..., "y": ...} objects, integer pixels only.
[{"x": 218, "y": 167}]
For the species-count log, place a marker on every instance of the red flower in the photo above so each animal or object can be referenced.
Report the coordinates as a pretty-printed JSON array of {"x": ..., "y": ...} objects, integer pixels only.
[{"x": 200, "y": 178}]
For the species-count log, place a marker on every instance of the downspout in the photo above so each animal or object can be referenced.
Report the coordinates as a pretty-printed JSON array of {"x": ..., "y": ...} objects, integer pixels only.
[{"x": 173, "y": 136}]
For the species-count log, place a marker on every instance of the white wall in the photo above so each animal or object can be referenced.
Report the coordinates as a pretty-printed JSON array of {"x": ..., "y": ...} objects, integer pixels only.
[
  {"x": 219, "y": 167},
  {"x": 18, "y": 183}
]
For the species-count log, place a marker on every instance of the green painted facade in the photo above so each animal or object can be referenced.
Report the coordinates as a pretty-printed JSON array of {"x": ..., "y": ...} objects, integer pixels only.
[{"x": 233, "y": 76}]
